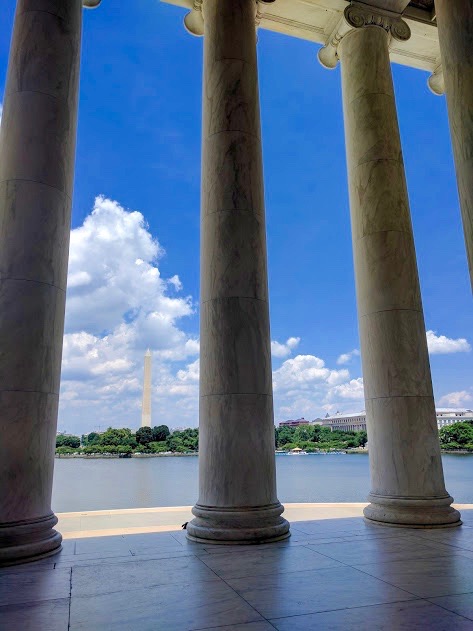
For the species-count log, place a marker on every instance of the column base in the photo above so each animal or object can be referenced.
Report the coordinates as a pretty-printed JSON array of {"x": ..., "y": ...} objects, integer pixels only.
[
  {"x": 412, "y": 512},
  {"x": 29, "y": 540},
  {"x": 233, "y": 526}
]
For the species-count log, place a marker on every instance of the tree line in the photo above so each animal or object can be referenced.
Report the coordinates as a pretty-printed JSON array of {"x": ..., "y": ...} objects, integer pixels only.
[
  {"x": 123, "y": 441},
  {"x": 457, "y": 436},
  {"x": 311, "y": 438}
]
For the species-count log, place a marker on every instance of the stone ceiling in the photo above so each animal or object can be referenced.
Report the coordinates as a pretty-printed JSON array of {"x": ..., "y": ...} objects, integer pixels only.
[{"x": 423, "y": 4}]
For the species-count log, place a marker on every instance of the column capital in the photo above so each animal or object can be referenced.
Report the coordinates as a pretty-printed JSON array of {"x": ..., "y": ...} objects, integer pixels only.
[
  {"x": 194, "y": 20},
  {"x": 436, "y": 81},
  {"x": 360, "y": 15}
]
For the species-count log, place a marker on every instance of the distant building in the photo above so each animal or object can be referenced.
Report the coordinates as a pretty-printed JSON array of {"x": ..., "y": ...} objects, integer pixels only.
[
  {"x": 446, "y": 416},
  {"x": 344, "y": 422},
  {"x": 357, "y": 422},
  {"x": 296, "y": 423}
]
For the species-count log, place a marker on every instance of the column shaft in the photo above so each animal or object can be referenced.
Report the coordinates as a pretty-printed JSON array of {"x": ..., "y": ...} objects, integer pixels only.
[
  {"x": 406, "y": 469},
  {"x": 37, "y": 147},
  {"x": 455, "y": 28},
  {"x": 237, "y": 482}
]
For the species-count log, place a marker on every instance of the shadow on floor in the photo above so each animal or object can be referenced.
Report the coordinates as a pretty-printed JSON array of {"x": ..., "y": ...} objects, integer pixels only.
[{"x": 339, "y": 573}]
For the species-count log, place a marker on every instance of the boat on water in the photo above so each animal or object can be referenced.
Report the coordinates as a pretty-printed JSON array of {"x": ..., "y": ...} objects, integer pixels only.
[{"x": 297, "y": 451}]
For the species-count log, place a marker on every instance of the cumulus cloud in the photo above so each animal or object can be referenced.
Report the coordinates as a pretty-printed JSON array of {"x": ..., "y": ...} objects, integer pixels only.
[
  {"x": 305, "y": 385},
  {"x": 118, "y": 305},
  {"x": 440, "y": 344},
  {"x": 345, "y": 358},
  {"x": 306, "y": 371},
  {"x": 285, "y": 349},
  {"x": 459, "y": 399},
  {"x": 351, "y": 390}
]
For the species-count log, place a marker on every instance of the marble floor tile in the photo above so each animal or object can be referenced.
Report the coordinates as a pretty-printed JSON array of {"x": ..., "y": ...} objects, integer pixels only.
[
  {"x": 47, "y": 615},
  {"x": 68, "y": 546},
  {"x": 142, "y": 543},
  {"x": 419, "y": 615},
  {"x": 344, "y": 528},
  {"x": 248, "y": 626},
  {"x": 37, "y": 566},
  {"x": 312, "y": 540},
  {"x": 164, "y": 608},
  {"x": 84, "y": 560},
  {"x": 103, "y": 546},
  {"x": 461, "y": 604},
  {"x": 426, "y": 578},
  {"x": 150, "y": 548},
  {"x": 260, "y": 561},
  {"x": 97, "y": 557},
  {"x": 107, "y": 578},
  {"x": 293, "y": 593},
  {"x": 220, "y": 549},
  {"x": 26, "y": 587},
  {"x": 367, "y": 550},
  {"x": 458, "y": 537}
]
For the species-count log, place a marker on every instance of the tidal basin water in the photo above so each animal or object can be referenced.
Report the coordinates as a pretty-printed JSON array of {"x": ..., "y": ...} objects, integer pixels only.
[{"x": 83, "y": 485}]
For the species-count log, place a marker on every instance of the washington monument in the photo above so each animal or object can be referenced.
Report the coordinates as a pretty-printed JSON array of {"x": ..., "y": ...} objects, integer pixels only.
[{"x": 146, "y": 406}]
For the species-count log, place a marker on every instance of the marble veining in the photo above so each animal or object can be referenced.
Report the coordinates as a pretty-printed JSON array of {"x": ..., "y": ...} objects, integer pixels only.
[
  {"x": 36, "y": 180},
  {"x": 234, "y": 255},
  {"x": 456, "y": 43},
  {"x": 237, "y": 500},
  {"x": 396, "y": 370}
]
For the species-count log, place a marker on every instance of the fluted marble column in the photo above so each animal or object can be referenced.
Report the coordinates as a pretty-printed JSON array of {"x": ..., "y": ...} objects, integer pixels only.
[
  {"x": 455, "y": 28},
  {"x": 37, "y": 147},
  {"x": 406, "y": 469},
  {"x": 237, "y": 483}
]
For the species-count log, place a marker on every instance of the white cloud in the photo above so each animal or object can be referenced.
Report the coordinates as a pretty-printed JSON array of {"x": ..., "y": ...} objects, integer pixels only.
[
  {"x": 305, "y": 371},
  {"x": 175, "y": 282},
  {"x": 304, "y": 386},
  {"x": 1, "y": 111},
  {"x": 284, "y": 350},
  {"x": 440, "y": 344},
  {"x": 459, "y": 399},
  {"x": 345, "y": 358},
  {"x": 117, "y": 306},
  {"x": 352, "y": 390}
]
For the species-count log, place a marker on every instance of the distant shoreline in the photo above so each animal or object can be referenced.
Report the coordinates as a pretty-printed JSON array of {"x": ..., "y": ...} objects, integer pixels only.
[{"x": 461, "y": 452}]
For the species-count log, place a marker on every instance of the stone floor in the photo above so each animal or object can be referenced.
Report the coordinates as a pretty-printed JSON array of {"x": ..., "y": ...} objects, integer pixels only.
[{"x": 136, "y": 570}]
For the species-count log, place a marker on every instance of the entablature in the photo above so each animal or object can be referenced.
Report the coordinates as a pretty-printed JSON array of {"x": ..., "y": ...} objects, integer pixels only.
[{"x": 316, "y": 20}]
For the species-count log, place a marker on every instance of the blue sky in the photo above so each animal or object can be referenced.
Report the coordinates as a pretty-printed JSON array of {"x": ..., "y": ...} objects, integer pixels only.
[{"x": 134, "y": 278}]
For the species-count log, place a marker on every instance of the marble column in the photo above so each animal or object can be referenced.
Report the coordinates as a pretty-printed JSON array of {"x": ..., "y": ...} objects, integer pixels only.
[
  {"x": 407, "y": 480},
  {"x": 37, "y": 147},
  {"x": 237, "y": 483},
  {"x": 455, "y": 29}
]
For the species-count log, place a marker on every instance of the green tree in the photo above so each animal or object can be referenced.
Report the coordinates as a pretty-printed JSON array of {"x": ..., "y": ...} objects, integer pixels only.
[
  {"x": 307, "y": 433},
  {"x": 65, "y": 450},
  {"x": 124, "y": 450},
  {"x": 158, "y": 447},
  {"x": 144, "y": 436},
  {"x": 284, "y": 435},
  {"x": 173, "y": 442},
  {"x": 456, "y": 436},
  {"x": 67, "y": 440},
  {"x": 117, "y": 437},
  {"x": 361, "y": 438},
  {"x": 160, "y": 433},
  {"x": 92, "y": 439}
]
